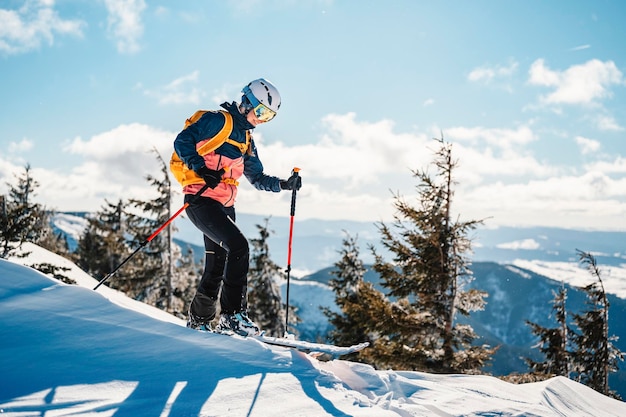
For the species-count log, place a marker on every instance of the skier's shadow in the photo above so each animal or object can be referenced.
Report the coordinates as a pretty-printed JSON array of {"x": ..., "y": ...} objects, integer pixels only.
[
  {"x": 109, "y": 346},
  {"x": 201, "y": 368},
  {"x": 201, "y": 384}
]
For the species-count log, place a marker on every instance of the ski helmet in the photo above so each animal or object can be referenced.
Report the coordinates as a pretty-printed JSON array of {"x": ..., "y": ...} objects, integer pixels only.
[{"x": 263, "y": 97}]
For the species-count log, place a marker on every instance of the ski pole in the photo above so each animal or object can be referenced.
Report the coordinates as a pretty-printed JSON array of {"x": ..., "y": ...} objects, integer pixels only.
[
  {"x": 149, "y": 239},
  {"x": 294, "y": 172}
]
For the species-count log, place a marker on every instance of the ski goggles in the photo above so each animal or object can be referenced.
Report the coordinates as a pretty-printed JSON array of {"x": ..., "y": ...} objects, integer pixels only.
[{"x": 261, "y": 111}]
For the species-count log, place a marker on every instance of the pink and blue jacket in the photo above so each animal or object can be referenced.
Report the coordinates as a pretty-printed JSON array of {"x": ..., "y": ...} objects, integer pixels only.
[{"x": 235, "y": 161}]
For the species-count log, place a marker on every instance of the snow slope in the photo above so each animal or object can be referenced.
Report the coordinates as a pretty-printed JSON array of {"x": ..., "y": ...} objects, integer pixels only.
[
  {"x": 613, "y": 277},
  {"x": 68, "y": 350}
]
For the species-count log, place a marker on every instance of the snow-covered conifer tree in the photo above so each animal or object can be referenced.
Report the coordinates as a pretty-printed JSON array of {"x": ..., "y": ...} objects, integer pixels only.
[
  {"x": 23, "y": 220},
  {"x": 20, "y": 216}
]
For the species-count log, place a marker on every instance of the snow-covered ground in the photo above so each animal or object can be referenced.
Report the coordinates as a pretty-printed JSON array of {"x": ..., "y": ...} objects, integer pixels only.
[
  {"x": 68, "y": 350},
  {"x": 575, "y": 274}
]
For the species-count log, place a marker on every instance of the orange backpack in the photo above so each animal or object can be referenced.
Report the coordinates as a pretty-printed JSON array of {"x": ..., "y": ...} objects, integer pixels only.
[{"x": 183, "y": 174}]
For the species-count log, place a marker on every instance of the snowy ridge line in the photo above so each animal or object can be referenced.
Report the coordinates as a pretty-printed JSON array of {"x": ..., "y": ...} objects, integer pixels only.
[{"x": 572, "y": 273}]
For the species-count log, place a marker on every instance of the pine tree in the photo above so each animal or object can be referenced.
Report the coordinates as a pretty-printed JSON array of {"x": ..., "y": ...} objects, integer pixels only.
[
  {"x": 23, "y": 220},
  {"x": 153, "y": 267},
  {"x": 54, "y": 242},
  {"x": 7, "y": 234},
  {"x": 553, "y": 342},
  {"x": 265, "y": 306},
  {"x": 102, "y": 246},
  {"x": 428, "y": 277},
  {"x": 348, "y": 273},
  {"x": 162, "y": 275},
  {"x": 595, "y": 355},
  {"x": 187, "y": 274},
  {"x": 365, "y": 311},
  {"x": 357, "y": 300},
  {"x": 20, "y": 217}
]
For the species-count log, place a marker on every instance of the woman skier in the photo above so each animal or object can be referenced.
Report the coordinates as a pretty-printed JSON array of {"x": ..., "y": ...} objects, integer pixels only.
[{"x": 215, "y": 149}]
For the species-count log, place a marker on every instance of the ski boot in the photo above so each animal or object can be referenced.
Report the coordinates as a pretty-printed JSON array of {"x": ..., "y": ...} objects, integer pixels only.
[
  {"x": 201, "y": 312},
  {"x": 237, "y": 323}
]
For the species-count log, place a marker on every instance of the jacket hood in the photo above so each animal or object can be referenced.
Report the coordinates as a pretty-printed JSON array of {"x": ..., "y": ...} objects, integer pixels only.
[{"x": 239, "y": 119}]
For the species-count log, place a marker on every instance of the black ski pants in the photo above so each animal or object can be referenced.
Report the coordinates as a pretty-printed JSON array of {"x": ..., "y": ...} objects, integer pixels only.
[{"x": 226, "y": 252}]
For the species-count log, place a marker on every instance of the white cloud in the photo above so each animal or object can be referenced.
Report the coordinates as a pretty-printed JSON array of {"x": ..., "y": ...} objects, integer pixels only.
[
  {"x": 317, "y": 201},
  {"x": 587, "y": 145},
  {"x": 501, "y": 138},
  {"x": 608, "y": 123},
  {"x": 9, "y": 168},
  {"x": 487, "y": 74},
  {"x": 617, "y": 166},
  {"x": 180, "y": 91},
  {"x": 487, "y": 154},
  {"x": 497, "y": 76},
  {"x": 114, "y": 166},
  {"x": 591, "y": 200},
  {"x": 124, "y": 23},
  {"x": 354, "y": 169},
  {"x": 32, "y": 24},
  {"x": 478, "y": 166},
  {"x": 21, "y": 146},
  {"x": 579, "y": 84},
  {"x": 355, "y": 153}
]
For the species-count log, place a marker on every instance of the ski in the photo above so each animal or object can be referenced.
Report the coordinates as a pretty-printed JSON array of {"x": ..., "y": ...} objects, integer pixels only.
[
  {"x": 312, "y": 348},
  {"x": 320, "y": 350}
]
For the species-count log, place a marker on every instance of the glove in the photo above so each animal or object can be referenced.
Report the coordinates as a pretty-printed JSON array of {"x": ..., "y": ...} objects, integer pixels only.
[
  {"x": 293, "y": 183},
  {"x": 211, "y": 177}
]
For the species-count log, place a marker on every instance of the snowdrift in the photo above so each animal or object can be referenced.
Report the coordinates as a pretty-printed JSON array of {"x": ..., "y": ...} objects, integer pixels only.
[{"x": 68, "y": 350}]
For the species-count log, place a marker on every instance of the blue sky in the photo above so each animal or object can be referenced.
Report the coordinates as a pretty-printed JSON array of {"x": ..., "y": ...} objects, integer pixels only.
[{"x": 531, "y": 94}]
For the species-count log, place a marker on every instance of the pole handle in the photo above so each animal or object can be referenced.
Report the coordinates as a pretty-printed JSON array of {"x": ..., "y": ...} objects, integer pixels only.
[{"x": 294, "y": 172}]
